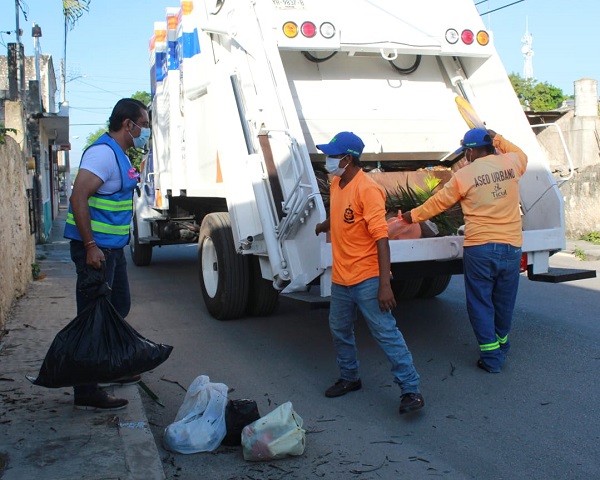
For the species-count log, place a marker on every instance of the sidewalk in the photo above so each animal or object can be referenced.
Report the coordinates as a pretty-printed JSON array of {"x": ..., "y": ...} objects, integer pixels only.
[
  {"x": 589, "y": 251},
  {"x": 42, "y": 435}
]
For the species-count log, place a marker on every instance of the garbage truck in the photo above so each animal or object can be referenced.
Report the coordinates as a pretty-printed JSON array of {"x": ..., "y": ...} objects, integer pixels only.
[{"x": 244, "y": 90}]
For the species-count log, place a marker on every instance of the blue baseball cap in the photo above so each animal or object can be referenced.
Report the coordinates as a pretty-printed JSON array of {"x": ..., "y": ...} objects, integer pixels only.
[
  {"x": 343, "y": 142},
  {"x": 476, "y": 137}
]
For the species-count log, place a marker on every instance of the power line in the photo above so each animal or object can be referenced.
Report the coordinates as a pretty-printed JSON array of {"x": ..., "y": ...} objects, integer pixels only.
[{"x": 499, "y": 8}]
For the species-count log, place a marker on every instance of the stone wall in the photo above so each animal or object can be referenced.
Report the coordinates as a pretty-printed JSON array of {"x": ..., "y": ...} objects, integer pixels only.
[
  {"x": 17, "y": 244},
  {"x": 582, "y": 202},
  {"x": 581, "y": 192}
]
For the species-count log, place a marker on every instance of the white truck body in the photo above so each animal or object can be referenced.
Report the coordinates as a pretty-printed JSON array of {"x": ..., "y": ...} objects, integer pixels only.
[{"x": 238, "y": 108}]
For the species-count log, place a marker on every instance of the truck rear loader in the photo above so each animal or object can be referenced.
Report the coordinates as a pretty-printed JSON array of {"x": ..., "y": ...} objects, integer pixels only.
[{"x": 243, "y": 90}]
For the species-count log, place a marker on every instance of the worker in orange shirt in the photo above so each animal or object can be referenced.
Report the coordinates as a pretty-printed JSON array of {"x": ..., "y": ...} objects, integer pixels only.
[
  {"x": 361, "y": 272},
  {"x": 488, "y": 191}
]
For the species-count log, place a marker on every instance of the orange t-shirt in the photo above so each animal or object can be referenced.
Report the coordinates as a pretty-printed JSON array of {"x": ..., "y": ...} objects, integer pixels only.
[
  {"x": 488, "y": 191},
  {"x": 357, "y": 221}
]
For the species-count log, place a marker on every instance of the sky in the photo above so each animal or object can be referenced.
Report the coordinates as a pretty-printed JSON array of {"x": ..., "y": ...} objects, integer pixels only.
[{"x": 108, "y": 58}]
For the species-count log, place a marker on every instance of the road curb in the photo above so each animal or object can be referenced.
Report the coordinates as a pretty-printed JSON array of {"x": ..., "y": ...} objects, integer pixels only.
[{"x": 141, "y": 453}]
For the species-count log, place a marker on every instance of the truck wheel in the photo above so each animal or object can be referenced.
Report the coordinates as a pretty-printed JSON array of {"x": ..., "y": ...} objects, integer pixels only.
[
  {"x": 433, "y": 286},
  {"x": 141, "y": 253},
  {"x": 262, "y": 297},
  {"x": 406, "y": 289},
  {"x": 224, "y": 274}
]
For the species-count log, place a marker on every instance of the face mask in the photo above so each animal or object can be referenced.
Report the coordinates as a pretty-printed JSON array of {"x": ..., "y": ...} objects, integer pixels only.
[
  {"x": 140, "y": 142},
  {"x": 469, "y": 153},
  {"x": 331, "y": 165}
]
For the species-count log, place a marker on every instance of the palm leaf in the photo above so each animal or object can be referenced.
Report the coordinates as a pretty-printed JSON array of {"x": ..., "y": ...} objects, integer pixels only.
[
  {"x": 407, "y": 198},
  {"x": 73, "y": 10}
]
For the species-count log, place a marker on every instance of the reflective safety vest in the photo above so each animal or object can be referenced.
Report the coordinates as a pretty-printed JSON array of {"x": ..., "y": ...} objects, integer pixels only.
[{"x": 110, "y": 214}]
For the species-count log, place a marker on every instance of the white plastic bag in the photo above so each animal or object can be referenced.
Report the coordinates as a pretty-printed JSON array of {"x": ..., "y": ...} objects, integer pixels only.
[
  {"x": 276, "y": 435},
  {"x": 200, "y": 422}
]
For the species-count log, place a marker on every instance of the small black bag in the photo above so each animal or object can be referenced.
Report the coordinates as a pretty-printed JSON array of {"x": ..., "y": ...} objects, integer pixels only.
[
  {"x": 98, "y": 346},
  {"x": 238, "y": 414}
]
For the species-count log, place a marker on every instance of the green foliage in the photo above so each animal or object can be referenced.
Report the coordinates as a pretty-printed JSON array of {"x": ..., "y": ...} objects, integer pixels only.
[
  {"x": 579, "y": 253},
  {"x": 143, "y": 97},
  {"x": 407, "y": 198},
  {"x": 35, "y": 271},
  {"x": 3, "y": 131},
  {"x": 592, "y": 237},
  {"x": 537, "y": 96},
  {"x": 92, "y": 137},
  {"x": 73, "y": 10}
]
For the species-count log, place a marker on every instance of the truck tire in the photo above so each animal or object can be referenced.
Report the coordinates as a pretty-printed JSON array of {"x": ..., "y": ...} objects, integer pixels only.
[
  {"x": 141, "y": 253},
  {"x": 224, "y": 274},
  {"x": 262, "y": 297},
  {"x": 433, "y": 286},
  {"x": 406, "y": 289}
]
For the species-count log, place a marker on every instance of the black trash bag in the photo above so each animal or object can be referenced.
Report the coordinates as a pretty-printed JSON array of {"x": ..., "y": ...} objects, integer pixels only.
[
  {"x": 238, "y": 414},
  {"x": 98, "y": 346}
]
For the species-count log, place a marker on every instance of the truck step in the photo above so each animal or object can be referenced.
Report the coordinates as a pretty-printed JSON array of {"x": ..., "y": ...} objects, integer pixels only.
[
  {"x": 311, "y": 298},
  {"x": 558, "y": 275}
]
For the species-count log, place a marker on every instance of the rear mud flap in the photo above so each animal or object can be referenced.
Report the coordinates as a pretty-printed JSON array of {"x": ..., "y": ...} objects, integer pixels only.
[{"x": 559, "y": 275}]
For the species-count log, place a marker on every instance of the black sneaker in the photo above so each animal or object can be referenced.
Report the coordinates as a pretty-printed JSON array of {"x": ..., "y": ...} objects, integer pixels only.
[
  {"x": 342, "y": 387},
  {"x": 410, "y": 402},
  {"x": 123, "y": 381},
  {"x": 99, "y": 400}
]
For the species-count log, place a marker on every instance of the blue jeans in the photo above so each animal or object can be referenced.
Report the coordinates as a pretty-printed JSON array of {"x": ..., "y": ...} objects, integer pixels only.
[
  {"x": 491, "y": 273},
  {"x": 116, "y": 276},
  {"x": 345, "y": 301}
]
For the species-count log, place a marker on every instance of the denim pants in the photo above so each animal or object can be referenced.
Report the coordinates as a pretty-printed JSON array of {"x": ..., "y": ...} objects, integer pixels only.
[
  {"x": 345, "y": 301},
  {"x": 116, "y": 276},
  {"x": 491, "y": 273}
]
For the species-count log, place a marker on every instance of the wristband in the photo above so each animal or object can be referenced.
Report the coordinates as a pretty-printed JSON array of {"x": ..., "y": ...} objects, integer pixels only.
[{"x": 89, "y": 244}]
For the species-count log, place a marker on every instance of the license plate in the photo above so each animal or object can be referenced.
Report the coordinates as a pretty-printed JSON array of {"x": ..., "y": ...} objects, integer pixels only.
[{"x": 297, "y": 4}]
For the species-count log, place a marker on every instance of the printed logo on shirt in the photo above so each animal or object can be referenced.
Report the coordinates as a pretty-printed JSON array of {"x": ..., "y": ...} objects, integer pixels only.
[
  {"x": 133, "y": 173},
  {"x": 499, "y": 192},
  {"x": 349, "y": 215},
  {"x": 494, "y": 177}
]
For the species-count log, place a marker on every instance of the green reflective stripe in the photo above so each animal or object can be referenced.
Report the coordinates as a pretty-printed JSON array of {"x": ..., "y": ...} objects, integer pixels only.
[
  {"x": 502, "y": 340},
  {"x": 110, "y": 229},
  {"x": 103, "y": 227},
  {"x": 103, "y": 204},
  {"x": 489, "y": 346}
]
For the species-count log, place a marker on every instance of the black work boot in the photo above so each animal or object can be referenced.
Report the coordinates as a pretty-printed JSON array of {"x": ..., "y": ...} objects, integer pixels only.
[
  {"x": 122, "y": 382},
  {"x": 411, "y": 402},
  {"x": 99, "y": 400},
  {"x": 342, "y": 387}
]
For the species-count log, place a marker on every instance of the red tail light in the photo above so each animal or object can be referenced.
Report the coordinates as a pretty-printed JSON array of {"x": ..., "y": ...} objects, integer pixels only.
[
  {"x": 308, "y": 29},
  {"x": 467, "y": 37},
  {"x": 523, "y": 263}
]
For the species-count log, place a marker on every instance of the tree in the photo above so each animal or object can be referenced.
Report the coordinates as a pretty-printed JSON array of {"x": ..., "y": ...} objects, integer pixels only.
[
  {"x": 537, "y": 96},
  {"x": 73, "y": 10},
  {"x": 143, "y": 97},
  {"x": 92, "y": 137}
]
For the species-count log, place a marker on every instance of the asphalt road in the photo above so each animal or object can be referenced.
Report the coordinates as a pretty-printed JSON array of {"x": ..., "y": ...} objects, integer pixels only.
[{"x": 538, "y": 419}]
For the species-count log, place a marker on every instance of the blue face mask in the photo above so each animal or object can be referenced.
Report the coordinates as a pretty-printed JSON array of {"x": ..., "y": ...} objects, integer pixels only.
[
  {"x": 140, "y": 142},
  {"x": 332, "y": 166}
]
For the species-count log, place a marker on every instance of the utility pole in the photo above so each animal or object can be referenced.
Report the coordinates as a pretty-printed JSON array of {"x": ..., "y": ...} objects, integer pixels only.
[
  {"x": 19, "y": 53},
  {"x": 63, "y": 101},
  {"x": 37, "y": 33}
]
